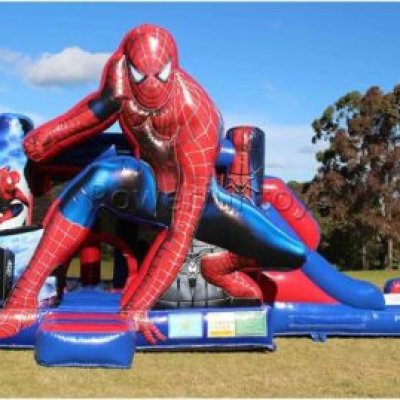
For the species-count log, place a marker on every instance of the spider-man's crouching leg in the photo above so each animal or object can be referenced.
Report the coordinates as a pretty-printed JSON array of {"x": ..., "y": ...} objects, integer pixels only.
[
  {"x": 112, "y": 182},
  {"x": 251, "y": 240},
  {"x": 60, "y": 240},
  {"x": 224, "y": 270}
]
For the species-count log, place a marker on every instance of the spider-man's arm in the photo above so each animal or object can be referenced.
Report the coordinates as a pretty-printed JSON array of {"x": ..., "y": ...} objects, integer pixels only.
[
  {"x": 89, "y": 117},
  {"x": 196, "y": 152}
]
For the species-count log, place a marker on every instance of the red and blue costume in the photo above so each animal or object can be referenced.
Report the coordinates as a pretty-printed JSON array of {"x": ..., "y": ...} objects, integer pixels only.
[{"x": 174, "y": 130}]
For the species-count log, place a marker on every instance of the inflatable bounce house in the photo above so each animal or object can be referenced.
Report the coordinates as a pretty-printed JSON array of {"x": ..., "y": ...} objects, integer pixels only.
[{"x": 203, "y": 249}]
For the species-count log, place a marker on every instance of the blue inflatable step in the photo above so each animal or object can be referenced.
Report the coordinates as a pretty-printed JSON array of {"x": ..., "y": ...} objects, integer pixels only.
[
  {"x": 90, "y": 299},
  {"x": 85, "y": 340}
]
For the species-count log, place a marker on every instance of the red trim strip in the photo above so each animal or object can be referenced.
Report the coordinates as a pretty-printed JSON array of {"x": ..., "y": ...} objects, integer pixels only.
[
  {"x": 82, "y": 316},
  {"x": 89, "y": 328}
]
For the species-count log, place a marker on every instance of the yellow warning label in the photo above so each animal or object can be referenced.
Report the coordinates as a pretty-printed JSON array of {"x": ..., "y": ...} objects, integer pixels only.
[{"x": 221, "y": 324}]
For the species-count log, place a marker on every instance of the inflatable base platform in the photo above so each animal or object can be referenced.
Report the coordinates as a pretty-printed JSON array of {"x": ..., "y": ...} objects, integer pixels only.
[{"x": 88, "y": 330}]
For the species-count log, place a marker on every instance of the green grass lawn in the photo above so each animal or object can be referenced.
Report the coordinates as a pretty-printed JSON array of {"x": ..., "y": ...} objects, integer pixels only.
[
  {"x": 299, "y": 368},
  {"x": 378, "y": 277}
]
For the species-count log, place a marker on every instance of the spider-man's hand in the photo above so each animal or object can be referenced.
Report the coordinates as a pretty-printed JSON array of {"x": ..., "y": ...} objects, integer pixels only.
[
  {"x": 78, "y": 124},
  {"x": 143, "y": 325},
  {"x": 36, "y": 146}
]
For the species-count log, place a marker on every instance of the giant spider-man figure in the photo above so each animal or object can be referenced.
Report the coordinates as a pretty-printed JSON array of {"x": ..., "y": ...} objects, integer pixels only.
[{"x": 172, "y": 125}]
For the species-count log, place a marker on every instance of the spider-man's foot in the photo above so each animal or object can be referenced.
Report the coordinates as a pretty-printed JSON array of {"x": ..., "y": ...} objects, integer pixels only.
[
  {"x": 224, "y": 270},
  {"x": 13, "y": 320},
  {"x": 19, "y": 312},
  {"x": 60, "y": 240}
]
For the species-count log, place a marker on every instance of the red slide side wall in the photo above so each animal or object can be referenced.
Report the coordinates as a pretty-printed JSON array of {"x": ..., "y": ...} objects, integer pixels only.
[
  {"x": 294, "y": 285},
  {"x": 292, "y": 210},
  {"x": 291, "y": 286}
]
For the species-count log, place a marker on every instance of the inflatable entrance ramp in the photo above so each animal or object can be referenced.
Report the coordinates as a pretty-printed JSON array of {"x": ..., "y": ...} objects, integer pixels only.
[{"x": 85, "y": 340}]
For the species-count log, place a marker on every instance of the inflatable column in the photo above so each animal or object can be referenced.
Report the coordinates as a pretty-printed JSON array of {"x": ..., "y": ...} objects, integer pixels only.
[{"x": 246, "y": 173}]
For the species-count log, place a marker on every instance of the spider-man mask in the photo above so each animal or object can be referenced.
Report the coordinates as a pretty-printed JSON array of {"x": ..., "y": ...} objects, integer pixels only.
[{"x": 152, "y": 60}]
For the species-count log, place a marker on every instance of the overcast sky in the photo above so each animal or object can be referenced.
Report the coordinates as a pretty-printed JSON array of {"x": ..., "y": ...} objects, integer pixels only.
[{"x": 274, "y": 65}]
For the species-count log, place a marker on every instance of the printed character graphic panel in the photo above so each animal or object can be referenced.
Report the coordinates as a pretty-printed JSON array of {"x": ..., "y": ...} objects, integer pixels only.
[{"x": 15, "y": 196}]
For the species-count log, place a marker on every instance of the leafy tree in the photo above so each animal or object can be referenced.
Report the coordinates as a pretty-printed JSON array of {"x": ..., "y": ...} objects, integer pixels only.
[{"x": 357, "y": 185}]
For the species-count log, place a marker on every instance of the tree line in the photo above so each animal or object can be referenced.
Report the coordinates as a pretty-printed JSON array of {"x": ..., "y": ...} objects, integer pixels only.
[{"x": 355, "y": 194}]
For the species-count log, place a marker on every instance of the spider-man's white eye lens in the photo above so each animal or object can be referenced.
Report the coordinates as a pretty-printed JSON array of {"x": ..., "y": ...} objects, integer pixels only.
[
  {"x": 9, "y": 180},
  {"x": 136, "y": 75},
  {"x": 165, "y": 72}
]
